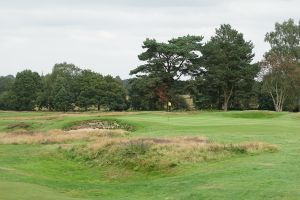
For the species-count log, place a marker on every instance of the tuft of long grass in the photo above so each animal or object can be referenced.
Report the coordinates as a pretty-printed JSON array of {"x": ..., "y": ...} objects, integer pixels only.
[
  {"x": 57, "y": 136},
  {"x": 148, "y": 154}
]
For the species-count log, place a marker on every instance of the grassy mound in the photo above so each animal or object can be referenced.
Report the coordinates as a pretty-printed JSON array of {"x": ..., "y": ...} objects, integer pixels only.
[
  {"x": 113, "y": 147},
  {"x": 158, "y": 154}
]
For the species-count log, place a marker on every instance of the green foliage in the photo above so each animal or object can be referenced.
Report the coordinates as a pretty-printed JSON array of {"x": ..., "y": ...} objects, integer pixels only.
[
  {"x": 84, "y": 89},
  {"x": 6, "y": 83},
  {"x": 179, "y": 103},
  {"x": 143, "y": 94},
  {"x": 285, "y": 39},
  {"x": 7, "y": 98},
  {"x": 25, "y": 89},
  {"x": 114, "y": 94},
  {"x": 281, "y": 65},
  {"x": 62, "y": 87},
  {"x": 265, "y": 102},
  {"x": 169, "y": 61},
  {"x": 227, "y": 64},
  {"x": 205, "y": 94},
  {"x": 62, "y": 101},
  {"x": 90, "y": 89},
  {"x": 8, "y": 101},
  {"x": 62, "y": 90}
]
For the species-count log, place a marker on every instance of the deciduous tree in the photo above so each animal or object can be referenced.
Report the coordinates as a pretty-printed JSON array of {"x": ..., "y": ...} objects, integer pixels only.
[
  {"x": 281, "y": 63},
  {"x": 26, "y": 87}
]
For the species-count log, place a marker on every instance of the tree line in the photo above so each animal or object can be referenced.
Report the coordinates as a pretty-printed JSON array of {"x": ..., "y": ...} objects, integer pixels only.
[
  {"x": 66, "y": 88},
  {"x": 218, "y": 74}
]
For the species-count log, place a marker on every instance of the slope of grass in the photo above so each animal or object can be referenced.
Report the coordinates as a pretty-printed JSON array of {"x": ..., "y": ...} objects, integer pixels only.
[
  {"x": 25, "y": 191},
  {"x": 39, "y": 172},
  {"x": 253, "y": 114}
]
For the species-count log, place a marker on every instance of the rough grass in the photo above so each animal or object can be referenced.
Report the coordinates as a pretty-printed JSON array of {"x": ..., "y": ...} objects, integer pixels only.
[
  {"x": 105, "y": 147},
  {"x": 57, "y": 136},
  {"x": 20, "y": 125},
  {"x": 237, "y": 176},
  {"x": 152, "y": 154}
]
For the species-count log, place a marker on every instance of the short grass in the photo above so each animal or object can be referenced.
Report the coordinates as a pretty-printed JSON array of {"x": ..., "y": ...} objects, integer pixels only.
[{"x": 36, "y": 171}]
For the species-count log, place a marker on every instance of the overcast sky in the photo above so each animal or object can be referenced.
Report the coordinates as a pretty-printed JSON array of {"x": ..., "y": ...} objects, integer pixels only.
[{"x": 106, "y": 35}]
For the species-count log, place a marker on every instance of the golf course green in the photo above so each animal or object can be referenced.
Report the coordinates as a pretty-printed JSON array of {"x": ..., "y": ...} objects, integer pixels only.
[{"x": 44, "y": 171}]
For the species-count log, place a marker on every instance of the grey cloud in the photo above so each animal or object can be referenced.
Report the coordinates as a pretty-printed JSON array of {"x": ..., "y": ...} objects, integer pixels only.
[{"x": 106, "y": 36}]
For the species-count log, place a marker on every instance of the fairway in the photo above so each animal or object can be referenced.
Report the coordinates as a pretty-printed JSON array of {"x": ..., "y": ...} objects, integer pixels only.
[
  {"x": 41, "y": 171},
  {"x": 150, "y": 100}
]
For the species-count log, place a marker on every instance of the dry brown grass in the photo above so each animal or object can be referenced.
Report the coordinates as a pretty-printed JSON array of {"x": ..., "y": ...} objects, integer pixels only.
[
  {"x": 158, "y": 153},
  {"x": 112, "y": 147},
  {"x": 57, "y": 136},
  {"x": 179, "y": 144},
  {"x": 100, "y": 138}
]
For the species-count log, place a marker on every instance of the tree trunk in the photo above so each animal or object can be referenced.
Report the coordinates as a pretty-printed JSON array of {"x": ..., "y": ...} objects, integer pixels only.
[
  {"x": 227, "y": 96},
  {"x": 279, "y": 100},
  {"x": 225, "y": 106}
]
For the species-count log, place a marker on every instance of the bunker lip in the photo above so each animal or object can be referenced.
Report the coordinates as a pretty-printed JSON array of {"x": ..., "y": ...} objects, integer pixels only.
[
  {"x": 99, "y": 125},
  {"x": 95, "y": 131}
]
